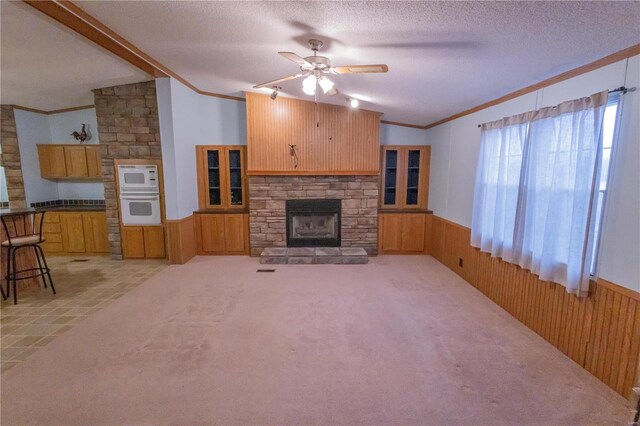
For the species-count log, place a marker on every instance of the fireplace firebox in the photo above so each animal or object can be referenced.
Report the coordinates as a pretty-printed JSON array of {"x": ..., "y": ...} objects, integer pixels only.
[{"x": 313, "y": 223}]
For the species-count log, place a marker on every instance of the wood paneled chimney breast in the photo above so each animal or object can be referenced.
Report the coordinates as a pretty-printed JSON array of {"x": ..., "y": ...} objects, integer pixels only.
[{"x": 294, "y": 137}]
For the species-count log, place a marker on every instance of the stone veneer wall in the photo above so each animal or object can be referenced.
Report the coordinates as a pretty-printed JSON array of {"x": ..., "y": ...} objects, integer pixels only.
[
  {"x": 11, "y": 157},
  {"x": 128, "y": 127},
  {"x": 267, "y": 214}
]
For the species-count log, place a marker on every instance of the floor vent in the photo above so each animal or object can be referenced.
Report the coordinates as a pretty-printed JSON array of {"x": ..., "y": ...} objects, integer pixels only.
[
  {"x": 266, "y": 270},
  {"x": 80, "y": 260}
]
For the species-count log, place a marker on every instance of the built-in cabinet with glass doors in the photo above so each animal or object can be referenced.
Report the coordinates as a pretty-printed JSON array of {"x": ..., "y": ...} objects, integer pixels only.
[
  {"x": 221, "y": 177},
  {"x": 404, "y": 223},
  {"x": 405, "y": 177}
]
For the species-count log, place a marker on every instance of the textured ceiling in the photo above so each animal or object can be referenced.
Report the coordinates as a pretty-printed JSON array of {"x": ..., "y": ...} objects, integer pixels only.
[
  {"x": 443, "y": 57},
  {"x": 46, "y": 66}
]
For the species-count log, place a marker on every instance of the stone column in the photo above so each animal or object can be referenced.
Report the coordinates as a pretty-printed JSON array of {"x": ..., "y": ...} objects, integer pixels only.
[{"x": 128, "y": 127}]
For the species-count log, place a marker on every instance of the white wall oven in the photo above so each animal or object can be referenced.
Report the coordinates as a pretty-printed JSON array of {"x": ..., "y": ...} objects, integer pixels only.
[{"x": 139, "y": 195}]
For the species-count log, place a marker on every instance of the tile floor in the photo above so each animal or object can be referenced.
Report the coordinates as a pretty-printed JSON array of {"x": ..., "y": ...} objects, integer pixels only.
[{"x": 82, "y": 289}]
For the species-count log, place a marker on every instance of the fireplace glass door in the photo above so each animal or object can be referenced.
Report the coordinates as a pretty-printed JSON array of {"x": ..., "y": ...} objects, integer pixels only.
[{"x": 313, "y": 223}]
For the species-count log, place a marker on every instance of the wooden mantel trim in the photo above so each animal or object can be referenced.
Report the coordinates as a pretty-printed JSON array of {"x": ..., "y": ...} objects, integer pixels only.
[{"x": 54, "y": 111}]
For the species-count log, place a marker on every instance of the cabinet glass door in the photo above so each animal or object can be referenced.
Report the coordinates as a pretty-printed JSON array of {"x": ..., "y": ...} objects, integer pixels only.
[
  {"x": 390, "y": 177},
  {"x": 213, "y": 178},
  {"x": 236, "y": 196},
  {"x": 413, "y": 177}
]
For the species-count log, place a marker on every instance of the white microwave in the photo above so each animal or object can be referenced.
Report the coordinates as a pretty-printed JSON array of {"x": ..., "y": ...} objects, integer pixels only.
[
  {"x": 140, "y": 209},
  {"x": 138, "y": 178}
]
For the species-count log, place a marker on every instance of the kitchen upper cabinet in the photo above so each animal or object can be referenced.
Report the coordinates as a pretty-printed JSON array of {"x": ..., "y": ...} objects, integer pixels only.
[
  {"x": 221, "y": 177},
  {"x": 70, "y": 161},
  {"x": 52, "y": 161},
  {"x": 94, "y": 161},
  {"x": 405, "y": 177},
  {"x": 222, "y": 233},
  {"x": 404, "y": 233}
]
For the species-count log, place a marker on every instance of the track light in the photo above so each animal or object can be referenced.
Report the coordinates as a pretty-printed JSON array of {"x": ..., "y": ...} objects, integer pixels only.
[
  {"x": 274, "y": 94},
  {"x": 353, "y": 102}
]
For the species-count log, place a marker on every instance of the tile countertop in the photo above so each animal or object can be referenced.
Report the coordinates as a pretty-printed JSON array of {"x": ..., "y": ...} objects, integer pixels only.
[{"x": 79, "y": 208}]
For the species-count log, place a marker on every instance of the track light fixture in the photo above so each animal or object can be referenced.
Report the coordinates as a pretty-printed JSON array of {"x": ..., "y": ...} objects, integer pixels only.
[
  {"x": 274, "y": 94},
  {"x": 353, "y": 102}
]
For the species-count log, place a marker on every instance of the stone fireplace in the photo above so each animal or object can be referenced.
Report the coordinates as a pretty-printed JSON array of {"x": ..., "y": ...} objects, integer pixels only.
[
  {"x": 356, "y": 225},
  {"x": 313, "y": 223}
]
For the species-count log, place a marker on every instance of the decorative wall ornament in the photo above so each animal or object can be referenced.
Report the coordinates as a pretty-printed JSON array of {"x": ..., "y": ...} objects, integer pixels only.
[{"x": 84, "y": 135}]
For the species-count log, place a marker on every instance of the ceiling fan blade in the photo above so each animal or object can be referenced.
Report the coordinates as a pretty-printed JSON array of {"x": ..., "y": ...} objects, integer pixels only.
[
  {"x": 360, "y": 69},
  {"x": 272, "y": 82},
  {"x": 295, "y": 58}
]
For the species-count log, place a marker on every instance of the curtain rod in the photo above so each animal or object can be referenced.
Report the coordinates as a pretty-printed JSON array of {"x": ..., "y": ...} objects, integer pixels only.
[{"x": 619, "y": 89}]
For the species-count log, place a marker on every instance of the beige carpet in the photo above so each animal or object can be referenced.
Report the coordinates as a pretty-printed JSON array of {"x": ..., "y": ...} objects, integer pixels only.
[{"x": 401, "y": 340}]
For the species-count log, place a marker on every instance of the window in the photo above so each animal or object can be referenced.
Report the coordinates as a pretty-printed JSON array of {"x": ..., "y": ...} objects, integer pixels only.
[
  {"x": 541, "y": 186},
  {"x": 609, "y": 127}
]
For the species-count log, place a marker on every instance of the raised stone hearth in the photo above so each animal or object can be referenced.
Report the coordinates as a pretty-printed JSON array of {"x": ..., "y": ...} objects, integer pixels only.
[
  {"x": 314, "y": 255},
  {"x": 359, "y": 201}
]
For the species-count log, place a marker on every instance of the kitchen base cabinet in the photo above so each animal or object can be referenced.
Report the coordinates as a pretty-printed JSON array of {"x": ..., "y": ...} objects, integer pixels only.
[
  {"x": 222, "y": 233},
  {"x": 75, "y": 233},
  {"x": 143, "y": 242},
  {"x": 404, "y": 233}
]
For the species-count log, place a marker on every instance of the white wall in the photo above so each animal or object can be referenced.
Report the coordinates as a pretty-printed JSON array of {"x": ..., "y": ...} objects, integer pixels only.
[
  {"x": 401, "y": 135},
  {"x": 188, "y": 119},
  {"x": 454, "y": 152},
  {"x": 33, "y": 129}
]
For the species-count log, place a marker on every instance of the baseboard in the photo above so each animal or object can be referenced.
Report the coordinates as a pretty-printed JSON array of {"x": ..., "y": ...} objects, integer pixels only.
[{"x": 600, "y": 332}]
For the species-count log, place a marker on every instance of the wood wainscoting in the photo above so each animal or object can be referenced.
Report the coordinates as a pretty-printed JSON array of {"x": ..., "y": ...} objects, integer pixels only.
[
  {"x": 181, "y": 240},
  {"x": 600, "y": 332}
]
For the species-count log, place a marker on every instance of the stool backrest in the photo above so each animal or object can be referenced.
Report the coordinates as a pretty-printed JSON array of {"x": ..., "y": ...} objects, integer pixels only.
[{"x": 20, "y": 225}]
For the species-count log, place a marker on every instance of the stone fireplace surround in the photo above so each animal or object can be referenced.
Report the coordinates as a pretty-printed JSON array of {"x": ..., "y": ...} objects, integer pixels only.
[{"x": 267, "y": 207}]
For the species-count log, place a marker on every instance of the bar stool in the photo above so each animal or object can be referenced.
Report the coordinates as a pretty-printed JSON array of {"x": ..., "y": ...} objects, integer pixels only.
[{"x": 24, "y": 235}]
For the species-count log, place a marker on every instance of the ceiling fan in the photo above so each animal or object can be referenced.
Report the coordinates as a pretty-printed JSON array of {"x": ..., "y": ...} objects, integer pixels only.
[{"x": 315, "y": 68}]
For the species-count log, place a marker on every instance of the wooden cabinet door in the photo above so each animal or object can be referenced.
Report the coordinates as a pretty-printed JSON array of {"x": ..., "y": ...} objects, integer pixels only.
[
  {"x": 76, "y": 161},
  {"x": 391, "y": 174},
  {"x": 52, "y": 161},
  {"x": 94, "y": 164},
  {"x": 413, "y": 230},
  {"x": 211, "y": 177},
  {"x": 235, "y": 190},
  {"x": 415, "y": 173},
  {"x": 132, "y": 242},
  {"x": 211, "y": 228},
  {"x": 154, "y": 242},
  {"x": 95, "y": 232},
  {"x": 235, "y": 233},
  {"x": 390, "y": 232},
  {"x": 73, "y": 240}
]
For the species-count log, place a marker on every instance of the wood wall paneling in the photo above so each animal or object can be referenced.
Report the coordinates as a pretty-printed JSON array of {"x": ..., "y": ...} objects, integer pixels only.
[
  {"x": 600, "y": 332},
  {"x": 181, "y": 241},
  {"x": 329, "y": 139}
]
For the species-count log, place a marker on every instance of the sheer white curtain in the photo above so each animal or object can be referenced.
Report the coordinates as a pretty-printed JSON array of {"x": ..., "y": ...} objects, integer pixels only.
[
  {"x": 497, "y": 183},
  {"x": 536, "y": 187},
  {"x": 558, "y": 192}
]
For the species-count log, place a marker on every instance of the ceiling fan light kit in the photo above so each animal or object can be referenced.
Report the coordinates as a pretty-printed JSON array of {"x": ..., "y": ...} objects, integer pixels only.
[{"x": 314, "y": 68}]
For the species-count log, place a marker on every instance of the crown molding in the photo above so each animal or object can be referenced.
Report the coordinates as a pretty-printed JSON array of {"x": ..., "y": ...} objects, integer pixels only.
[
  {"x": 53, "y": 111},
  {"x": 607, "y": 60},
  {"x": 395, "y": 123}
]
